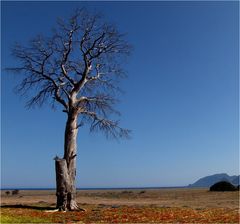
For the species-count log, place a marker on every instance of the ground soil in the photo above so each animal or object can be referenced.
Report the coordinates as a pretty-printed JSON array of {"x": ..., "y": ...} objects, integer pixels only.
[
  {"x": 177, "y": 197},
  {"x": 124, "y": 206}
]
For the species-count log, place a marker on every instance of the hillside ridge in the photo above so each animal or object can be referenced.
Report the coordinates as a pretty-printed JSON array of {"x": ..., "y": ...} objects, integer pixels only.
[{"x": 208, "y": 181}]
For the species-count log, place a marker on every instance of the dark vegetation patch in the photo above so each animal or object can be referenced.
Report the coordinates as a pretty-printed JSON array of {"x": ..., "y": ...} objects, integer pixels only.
[
  {"x": 223, "y": 186},
  {"x": 34, "y": 207},
  {"x": 15, "y": 192}
]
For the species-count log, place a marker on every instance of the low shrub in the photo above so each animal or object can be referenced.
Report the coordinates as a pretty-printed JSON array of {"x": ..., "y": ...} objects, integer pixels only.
[
  {"x": 223, "y": 186},
  {"x": 15, "y": 192}
]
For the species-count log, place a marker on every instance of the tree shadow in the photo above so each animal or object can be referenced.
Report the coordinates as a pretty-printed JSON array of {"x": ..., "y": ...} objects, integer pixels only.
[{"x": 35, "y": 207}]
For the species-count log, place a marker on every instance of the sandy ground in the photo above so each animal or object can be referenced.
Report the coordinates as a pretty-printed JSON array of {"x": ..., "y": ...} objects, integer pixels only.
[{"x": 193, "y": 198}]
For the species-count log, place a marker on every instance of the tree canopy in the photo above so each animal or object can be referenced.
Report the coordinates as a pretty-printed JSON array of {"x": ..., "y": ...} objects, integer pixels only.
[{"x": 79, "y": 67}]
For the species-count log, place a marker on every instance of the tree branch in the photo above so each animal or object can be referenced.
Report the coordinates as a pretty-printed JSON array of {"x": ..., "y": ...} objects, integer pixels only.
[
  {"x": 109, "y": 127},
  {"x": 79, "y": 67}
]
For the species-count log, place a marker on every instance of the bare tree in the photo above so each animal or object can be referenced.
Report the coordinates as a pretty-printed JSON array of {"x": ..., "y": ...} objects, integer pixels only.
[{"x": 79, "y": 68}]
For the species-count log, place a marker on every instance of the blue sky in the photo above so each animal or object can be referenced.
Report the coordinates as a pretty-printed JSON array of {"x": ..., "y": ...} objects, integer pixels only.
[{"x": 180, "y": 100}]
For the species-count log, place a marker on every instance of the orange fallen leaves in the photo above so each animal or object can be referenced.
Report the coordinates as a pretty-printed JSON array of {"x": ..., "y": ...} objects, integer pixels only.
[{"x": 131, "y": 214}]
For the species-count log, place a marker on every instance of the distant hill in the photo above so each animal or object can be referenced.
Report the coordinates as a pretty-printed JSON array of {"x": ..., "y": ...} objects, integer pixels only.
[
  {"x": 210, "y": 180},
  {"x": 236, "y": 180}
]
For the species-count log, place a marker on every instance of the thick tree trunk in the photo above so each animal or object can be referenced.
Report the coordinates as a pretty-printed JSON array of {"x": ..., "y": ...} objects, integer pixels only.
[
  {"x": 62, "y": 180},
  {"x": 66, "y": 167}
]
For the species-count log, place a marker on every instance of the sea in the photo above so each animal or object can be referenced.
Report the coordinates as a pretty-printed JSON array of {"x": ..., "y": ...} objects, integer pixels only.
[{"x": 91, "y": 188}]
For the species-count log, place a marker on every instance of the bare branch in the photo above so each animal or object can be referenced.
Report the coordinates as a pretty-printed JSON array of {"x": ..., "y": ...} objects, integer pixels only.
[
  {"x": 67, "y": 50},
  {"x": 109, "y": 127},
  {"x": 101, "y": 104},
  {"x": 78, "y": 67}
]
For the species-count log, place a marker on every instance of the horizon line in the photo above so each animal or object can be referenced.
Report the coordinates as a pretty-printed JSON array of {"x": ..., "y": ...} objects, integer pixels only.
[{"x": 89, "y": 188}]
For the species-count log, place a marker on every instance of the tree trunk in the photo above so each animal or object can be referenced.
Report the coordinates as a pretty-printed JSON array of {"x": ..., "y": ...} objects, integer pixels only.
[
  {"x": 66, "y": 167},
  {"x": 62, "y": 180}
]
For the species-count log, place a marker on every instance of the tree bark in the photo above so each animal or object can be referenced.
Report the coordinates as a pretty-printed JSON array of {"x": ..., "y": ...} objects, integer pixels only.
[
  {"x": 66, "y": 167},
  {"x": 62, "y": 180}
]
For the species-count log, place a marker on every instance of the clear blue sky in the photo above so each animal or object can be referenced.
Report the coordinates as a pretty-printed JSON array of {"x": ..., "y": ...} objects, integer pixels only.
[{"x": 180, "y": 101}]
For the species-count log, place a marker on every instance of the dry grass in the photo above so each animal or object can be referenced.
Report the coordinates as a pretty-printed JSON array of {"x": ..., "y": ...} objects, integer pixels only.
[{"x": 193, "y": 198}]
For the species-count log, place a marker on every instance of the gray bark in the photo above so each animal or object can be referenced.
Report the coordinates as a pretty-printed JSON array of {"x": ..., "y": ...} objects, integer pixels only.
[
  {"x": 66, "y": 167},
  {"x": 62, "y": 180}
]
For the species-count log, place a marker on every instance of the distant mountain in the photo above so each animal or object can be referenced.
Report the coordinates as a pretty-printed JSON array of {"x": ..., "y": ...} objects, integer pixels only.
[
  {"x": 210, "y": 180},
  {"x": 236, "y": 180}
]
